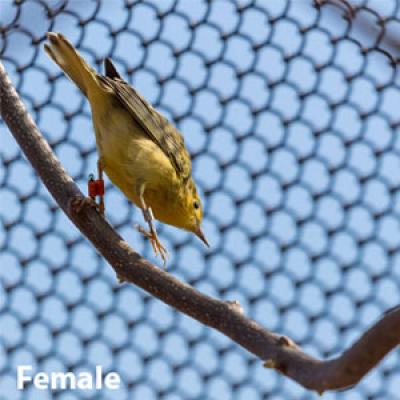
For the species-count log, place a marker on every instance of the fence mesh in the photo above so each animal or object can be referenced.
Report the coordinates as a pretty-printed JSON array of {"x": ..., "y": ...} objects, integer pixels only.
[{"x": 290, "y": 112}]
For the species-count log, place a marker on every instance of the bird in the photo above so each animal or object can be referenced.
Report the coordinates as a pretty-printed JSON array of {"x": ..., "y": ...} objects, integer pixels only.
[{"x": 141, "y": 152}]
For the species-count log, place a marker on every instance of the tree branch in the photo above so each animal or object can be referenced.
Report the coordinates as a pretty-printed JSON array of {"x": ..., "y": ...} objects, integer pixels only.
[{"x": 279, "y": 352}]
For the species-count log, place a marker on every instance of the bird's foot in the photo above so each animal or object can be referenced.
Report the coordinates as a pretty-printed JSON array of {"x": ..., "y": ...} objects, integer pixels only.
[
  {"x": 158, "y": 247},
  {"x": 77, "y": 204}
]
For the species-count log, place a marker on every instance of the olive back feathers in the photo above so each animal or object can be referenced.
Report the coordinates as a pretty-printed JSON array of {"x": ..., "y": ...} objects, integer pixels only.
[{"x": 155, "y": 125}]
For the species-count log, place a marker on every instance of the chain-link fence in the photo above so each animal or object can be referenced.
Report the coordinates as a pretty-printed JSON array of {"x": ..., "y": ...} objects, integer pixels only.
[{"x": 290, "y": 110}]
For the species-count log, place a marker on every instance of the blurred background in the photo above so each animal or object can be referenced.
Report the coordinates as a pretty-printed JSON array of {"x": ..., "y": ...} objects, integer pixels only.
[{"x": 290, "y": 110}]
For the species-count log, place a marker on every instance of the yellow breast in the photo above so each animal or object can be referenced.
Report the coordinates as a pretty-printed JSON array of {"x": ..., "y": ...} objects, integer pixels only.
[{"x": 129, "y": 156}]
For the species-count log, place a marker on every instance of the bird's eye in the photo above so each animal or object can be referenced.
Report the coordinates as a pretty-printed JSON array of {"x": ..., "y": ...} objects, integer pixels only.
[{"x": 196, "y": 205}]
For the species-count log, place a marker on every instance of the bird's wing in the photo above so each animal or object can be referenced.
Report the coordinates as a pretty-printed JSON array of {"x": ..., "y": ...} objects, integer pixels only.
[{"x": 155, "y": 125}]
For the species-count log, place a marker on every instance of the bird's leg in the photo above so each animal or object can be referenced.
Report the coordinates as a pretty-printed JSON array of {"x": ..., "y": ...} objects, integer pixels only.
[
  {"x": 152, "y": 233},
  {"x": 95, "y": 188},
  {"x": 100, "y": 185}
]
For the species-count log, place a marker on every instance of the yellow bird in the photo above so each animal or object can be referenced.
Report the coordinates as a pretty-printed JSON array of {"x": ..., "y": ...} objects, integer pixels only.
[{"x": 140, "y": 151}]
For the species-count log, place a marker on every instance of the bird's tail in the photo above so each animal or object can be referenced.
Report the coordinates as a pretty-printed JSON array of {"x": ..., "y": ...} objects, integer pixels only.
[{"x": 63, "y": 53}]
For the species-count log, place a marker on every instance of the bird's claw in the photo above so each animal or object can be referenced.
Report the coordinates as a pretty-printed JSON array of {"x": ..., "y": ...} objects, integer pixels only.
[
  {"x": 78, "y": 203},
  {"x": 157, "y": 246}
]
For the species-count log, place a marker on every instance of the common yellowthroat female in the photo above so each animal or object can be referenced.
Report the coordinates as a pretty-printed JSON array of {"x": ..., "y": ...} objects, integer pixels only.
[{"x": 140, "y": 151}]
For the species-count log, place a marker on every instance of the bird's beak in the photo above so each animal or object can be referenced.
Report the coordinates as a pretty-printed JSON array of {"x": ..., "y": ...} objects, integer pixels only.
[{"x": 199, "y": 233}]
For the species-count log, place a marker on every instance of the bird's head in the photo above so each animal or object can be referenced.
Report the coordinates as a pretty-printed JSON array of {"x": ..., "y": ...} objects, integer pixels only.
[{"x": 194, "y": 213}]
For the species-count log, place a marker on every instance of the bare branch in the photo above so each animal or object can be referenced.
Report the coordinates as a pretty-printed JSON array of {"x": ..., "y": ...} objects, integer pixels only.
[{"x": 278, "y": 351}]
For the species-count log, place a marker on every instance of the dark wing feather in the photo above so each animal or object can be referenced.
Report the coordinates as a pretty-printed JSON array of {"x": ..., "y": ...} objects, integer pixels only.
[
  {"x": 155, "y": 125},
  {"x": 110, "y": 70}
]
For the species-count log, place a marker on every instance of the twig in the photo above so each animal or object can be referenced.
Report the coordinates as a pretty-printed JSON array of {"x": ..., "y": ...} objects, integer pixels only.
[{"x": 278, "y": 351}]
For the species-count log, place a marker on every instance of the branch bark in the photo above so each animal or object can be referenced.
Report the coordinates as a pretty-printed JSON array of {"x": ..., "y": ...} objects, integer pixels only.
[{"x": 277, "y": 351}]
